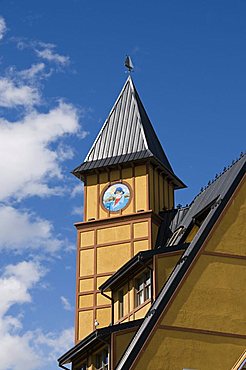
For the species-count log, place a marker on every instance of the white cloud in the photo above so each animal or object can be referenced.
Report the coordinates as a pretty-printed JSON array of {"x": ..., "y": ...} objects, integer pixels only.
[
  {"x": 34, "y": 71},
  {"x": 31, "y": 232},
  {"x": 33, "y": 350},
  {"x": 3, "y": 27},
  {"x": 49, "y": 54},
  {"x": 77, "y": 211},
  {"x": 56, "y": 344},
  {"x": 77, "y": 190},
  {"x": 43, "y": 50},
  {"x": 15, "y": 283},
  {"x": 66, "y": 304},
  {"x": 27, "y": 161},
  {"x": 13, "y": 95}
]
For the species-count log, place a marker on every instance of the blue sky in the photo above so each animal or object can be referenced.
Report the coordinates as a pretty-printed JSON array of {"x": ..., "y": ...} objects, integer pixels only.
[{"x": 61, "y": 69}]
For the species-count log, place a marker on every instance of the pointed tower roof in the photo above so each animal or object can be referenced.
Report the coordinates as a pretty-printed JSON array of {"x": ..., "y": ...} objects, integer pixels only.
[{"x": 126, "y": 136}]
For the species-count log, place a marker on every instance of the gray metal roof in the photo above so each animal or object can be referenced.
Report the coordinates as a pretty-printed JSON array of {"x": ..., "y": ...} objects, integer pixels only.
[
  {"x": 216, "y": 188},
  {"x": 223, "y": 188},
  {"x": 127, "y": 135}
]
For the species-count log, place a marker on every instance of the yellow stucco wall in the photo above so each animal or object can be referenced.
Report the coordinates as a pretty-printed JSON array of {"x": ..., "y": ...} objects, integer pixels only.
[
  {"x": 210, "y": 300},
  {"x": 164, "y": 267},
  {"x": 86, "y": 285},
  {"x": 140, "y": 229},
  {"x": 85, "y": 323},
  {"x": 115, "y": 244},
  {"x": 231, "y": 232},
  {"x": 211, "y": 297},
  {"x": 110, "y": 258},
  {"x": 121, "y": 341},
  {"x": 113, "y": 234},
  {"x": 141, "y": 245},
  {"x": 216, "y": 280},
  {"x": 172, "y": 350}
]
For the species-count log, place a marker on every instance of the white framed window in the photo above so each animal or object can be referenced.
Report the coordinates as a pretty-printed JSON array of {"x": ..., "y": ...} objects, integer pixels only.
[
  {"x": 175, "y": 236},
  {"x": 143, "y": 288}
]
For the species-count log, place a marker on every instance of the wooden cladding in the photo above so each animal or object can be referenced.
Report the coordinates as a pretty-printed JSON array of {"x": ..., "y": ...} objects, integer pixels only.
[{"x": 150, "y": 189}]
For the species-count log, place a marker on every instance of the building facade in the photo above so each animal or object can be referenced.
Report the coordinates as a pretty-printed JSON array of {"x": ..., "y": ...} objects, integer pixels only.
[{"x": 157, "y": 287}]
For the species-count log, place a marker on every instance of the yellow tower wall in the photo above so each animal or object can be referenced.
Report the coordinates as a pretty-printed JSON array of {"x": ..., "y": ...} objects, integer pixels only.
[
  {"x": 107, "y": 240},
  {"x": 150, "y": 187},
  {"x": 204, "y": 326},
  {"x": 135, "y": 177},
  {"x": 104, "y": 246}
]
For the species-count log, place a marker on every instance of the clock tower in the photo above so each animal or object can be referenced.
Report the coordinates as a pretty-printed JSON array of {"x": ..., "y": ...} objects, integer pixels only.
[{"x": 128, "y": 181}]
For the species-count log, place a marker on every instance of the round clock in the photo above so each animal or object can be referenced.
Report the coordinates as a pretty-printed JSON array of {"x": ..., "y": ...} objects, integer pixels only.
[{"x": 116, "y": 197}]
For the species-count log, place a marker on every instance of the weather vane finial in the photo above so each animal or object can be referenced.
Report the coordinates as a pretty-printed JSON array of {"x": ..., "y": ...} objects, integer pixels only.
[{"x": 129, "y": 64}]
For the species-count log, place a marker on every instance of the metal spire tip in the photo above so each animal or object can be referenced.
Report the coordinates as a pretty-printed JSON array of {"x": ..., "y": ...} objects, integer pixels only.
[{"x": 128, "y": 64}]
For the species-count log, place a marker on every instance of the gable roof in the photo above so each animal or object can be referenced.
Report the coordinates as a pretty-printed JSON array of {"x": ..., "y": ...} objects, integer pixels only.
[
  {"x": 127, "y": 135},
  {"x": 224, "y": 190}
]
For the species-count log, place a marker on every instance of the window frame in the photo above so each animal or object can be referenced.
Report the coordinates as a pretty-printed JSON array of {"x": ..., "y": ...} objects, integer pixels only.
[
  {"x": 143, "y": 288},
  {"x": 121, "y": 303},
  {"x": 100, "y": 359}
]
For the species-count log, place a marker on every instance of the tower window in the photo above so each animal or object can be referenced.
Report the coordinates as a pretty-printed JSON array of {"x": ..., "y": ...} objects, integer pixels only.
[
  {"x": 121, "y": 303},
  {"x": 143, "y": 288},
  {"x": 102, "y": 360}
]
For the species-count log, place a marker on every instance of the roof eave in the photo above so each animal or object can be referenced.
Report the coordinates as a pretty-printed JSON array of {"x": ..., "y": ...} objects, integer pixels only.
[
  {"x": 80, "y": 174},
  {"x": 91, "y": 339}
]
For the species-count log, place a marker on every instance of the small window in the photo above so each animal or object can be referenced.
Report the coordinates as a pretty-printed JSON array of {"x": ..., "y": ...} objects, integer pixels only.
[
  {"x": 175, "y": 236},
  {"x": 102, "y": 360},
  {"x": 83, "y": 367},
  {"x": 121, "y": 303},
  {"x": 143, "y": 288}
]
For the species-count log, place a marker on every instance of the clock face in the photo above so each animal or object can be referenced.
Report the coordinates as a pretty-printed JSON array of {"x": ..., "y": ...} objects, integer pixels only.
[{"x": 116, "y": 197}]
